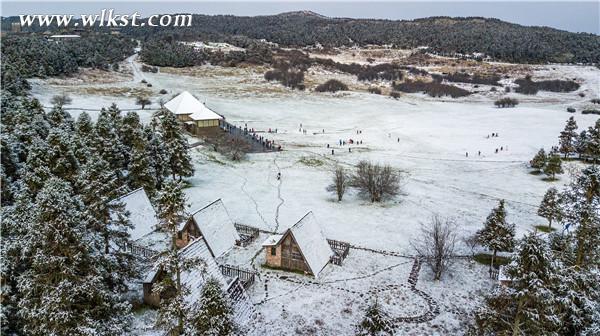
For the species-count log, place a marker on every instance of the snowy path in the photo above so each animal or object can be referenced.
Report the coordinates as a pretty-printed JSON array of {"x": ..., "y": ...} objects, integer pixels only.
[{"x": 281, "y": 200}]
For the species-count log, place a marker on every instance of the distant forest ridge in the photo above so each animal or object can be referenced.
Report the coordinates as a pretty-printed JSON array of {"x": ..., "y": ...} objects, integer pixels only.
[{"x": 497, "y": 39}]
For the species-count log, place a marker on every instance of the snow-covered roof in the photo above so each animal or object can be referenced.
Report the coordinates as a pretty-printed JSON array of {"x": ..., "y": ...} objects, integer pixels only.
[
  {"x": 312, "y": 243},
  {"x": 502, "y": 275},
  {"x": 272, "y": 240},
  {"x": 216, "y": 227},
  {"x": 195, "y": 277},
  {"x": 185, "y": 103},
  {"x": 141, "y": 213}
]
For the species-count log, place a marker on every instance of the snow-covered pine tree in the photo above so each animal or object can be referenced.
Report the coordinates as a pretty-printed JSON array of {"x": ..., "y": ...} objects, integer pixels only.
[
  {"x": 108, "y": 143},
  {"x": 174, "y": 308},
  {"x": 550, "y": 207},
  {"x": 58, "y": 117},
  {"x": 179, "y": 160},
  {"x": 581, "y": 210},
  {"x": 497, "y": 235},
  {"x": 539, "y": 160},
  {"x": 553, "y": 166},
  {"x": 528, "y": 304},
  {"x": 85, "y": 130},
  {"x": 593, "y": 142},
  {"x": 36, "y": 170},
  {"x": 568, "y": 138},
  {"x": 157, "y": 151},
  {"x": 141, "y": 170},
  {"x": 130, "y": 132},
  {"x": 63, "y": 292},
  {"x": 375, "y": 322},
  {"x": 16, "y": 222},
  {"x": 213, "y": 314},
  {"x": 62, "y": 160}
]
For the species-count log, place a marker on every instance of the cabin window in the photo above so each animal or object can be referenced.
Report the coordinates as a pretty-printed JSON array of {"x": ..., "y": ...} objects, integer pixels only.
[
  {"x": 179, "y": 235},
  {"x": 273, "y": 251}
]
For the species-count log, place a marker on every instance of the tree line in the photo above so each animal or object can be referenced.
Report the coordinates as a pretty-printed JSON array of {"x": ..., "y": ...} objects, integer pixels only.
[{"x": 34, "y": 56}]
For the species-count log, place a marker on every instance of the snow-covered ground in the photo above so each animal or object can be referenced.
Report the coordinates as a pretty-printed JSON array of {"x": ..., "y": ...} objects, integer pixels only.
[{"x": 425, "y": 138}]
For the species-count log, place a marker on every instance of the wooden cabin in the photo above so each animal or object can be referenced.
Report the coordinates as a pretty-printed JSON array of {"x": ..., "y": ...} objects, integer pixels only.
[
  {"x": 196, "y": 116},
  {"x": 302, "y": 247},
  {"x": 145, "y": 231},
  {"x": 194, "y": 278},
  {"x": 213, "y": 223}
]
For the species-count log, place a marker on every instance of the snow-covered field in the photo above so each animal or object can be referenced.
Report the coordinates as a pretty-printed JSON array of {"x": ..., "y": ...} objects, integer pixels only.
[{"x": 425, "y": 138}]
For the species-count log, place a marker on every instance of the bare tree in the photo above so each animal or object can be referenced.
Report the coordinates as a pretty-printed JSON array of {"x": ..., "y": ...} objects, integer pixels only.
[
  {"x": 376, "y": 181},
  {"x": 339, "y": 183},
  {"x": 435, "y": 244},
  {"x": 61, "y": 100},
  {"x": 233, "y": 146},
  {"x": 142, "y": 101},
  {"x": 472, "y": 241}
]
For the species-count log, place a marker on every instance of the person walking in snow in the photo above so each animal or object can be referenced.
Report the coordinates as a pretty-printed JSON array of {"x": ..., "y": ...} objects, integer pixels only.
[
  {"x": 467, "y": 154},
  {"x": 278, "y": 176}
]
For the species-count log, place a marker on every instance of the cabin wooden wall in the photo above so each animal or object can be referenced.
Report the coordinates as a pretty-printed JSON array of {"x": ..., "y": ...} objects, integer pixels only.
[
  {"x": 273, "y": 260},
  {"x": 291, "y": 257}
]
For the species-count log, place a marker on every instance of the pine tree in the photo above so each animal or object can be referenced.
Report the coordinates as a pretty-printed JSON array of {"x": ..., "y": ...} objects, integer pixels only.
[
  {"x": 568, "y": 137},
  {"x": 141, "y": 171},
  {"x": 157, "y": 151},
  {"x": 180, "y": 162},
  {"x": 593, "y": 141},
  {"x": 214, "y": 313},
  {"x": 63, "y": 292},
  {"x": 62, "y": 160},
  {"x": 108, "y": 143},
  {"x": 85, "y": 131},
  {"x": 528, "y": 305},
  {"x": 36, "y": 170},
  {"x": 581, "y": 209},
  {"x": 174, "y": 309},
  {"x": 58, "y": 117},
  {"x": 497, "y": 234},
  {"x": 553, "y": 166},
  {"x": 550, "y": 206},
  {"x": 375, "y": 322},
  {"x": 539, "y": 160},
  {"x": 130, "y": 132}
]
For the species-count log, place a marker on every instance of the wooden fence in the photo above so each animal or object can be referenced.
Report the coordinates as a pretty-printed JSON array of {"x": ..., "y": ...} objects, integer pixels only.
[
  {"x": 246, "y": 277},
  {"x": 340, "y": 249},
  {"x": 140, "y": 251},
  {"x": 247, "y": 234},
  {"x": 494, "y": 273}
]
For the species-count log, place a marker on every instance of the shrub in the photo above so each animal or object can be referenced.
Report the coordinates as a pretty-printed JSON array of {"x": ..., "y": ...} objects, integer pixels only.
[
  {"x": 149, "y": 85},
  {"x": 434, "y": 89},
  {"x": 571, "y": 109},
  {"x": 595, "y": 101},
  {"x": 528, "y": 86},
  {"x": 374, "y": 90},
  {"x": 506, "y": 102},
  {"x": 162, "y": 91},
  {"x": 332, "y": 85},
  {"x": 395, "y": 94},
  {"x": 143, "y": 81},
  {"x": 376, "y": 182},
  {"x": 590, "y": 111}
]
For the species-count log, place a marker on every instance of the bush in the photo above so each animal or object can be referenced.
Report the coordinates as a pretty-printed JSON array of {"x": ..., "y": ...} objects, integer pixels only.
[
  {"x": 332, "y": 85},
  {"x": 292, "y": 78},
  {"x": 374, "y": 90},
  {"x": 143, "y": 81},
  {"x": 595, "y": 101},
  {"x": 149, "y": 85},
  {"x": 395, "y": 94},
  {"x": 571, "y": 109},
  {"x": 434, "y": 89},
  {"x": 528, "y": 86},
  {"x": 590, "y": 111},
  {"x": 506, "y": 102},
  {"x": 162, "y": 91},
  {"x": 475, "y": 79}
]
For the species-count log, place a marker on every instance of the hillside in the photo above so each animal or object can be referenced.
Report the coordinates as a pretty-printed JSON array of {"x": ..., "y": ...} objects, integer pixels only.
[{"x": 498, "y": 39}]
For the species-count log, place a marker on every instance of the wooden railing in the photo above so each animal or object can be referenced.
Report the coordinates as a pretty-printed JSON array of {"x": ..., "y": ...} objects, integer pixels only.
[
  {"x": 247, "y": 234},
  {"x": 494, "y": 273},
  {"x": 246, "y": 277},
  {"x": 341, "y": 250},
  {"x": 140, "y": 251}
]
